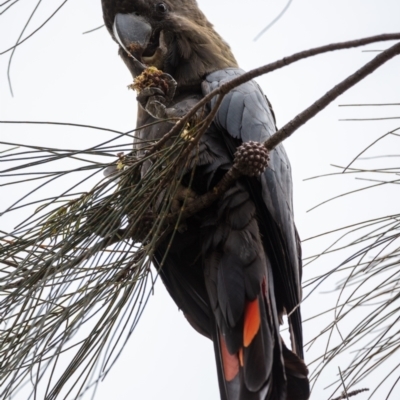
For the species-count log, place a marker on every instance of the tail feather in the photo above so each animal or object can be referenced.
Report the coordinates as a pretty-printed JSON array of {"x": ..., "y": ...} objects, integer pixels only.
[
  {"x": 296, "y": 375},
  {"x": 258, "y": 353},
  {"x": 256, "y": 372},
  {"x": 229, "y": 389},
  {"x": 240, "y": 284}
]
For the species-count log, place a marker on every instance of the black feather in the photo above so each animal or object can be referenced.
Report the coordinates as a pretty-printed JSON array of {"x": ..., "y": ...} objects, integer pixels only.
[{"x": 245, "y": 245}]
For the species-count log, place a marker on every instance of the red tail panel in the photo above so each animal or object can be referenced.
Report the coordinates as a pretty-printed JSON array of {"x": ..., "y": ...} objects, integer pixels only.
[
  {"x": 251, "y": 321},
  {"x": 230, "y": 362}
]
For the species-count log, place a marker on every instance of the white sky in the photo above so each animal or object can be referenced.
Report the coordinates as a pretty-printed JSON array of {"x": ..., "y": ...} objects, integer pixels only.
[{"x": 62, "y": 75}]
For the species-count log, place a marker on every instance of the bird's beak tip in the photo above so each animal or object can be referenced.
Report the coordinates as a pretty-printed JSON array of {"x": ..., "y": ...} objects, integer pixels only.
[{"x": 132, "y": 32}]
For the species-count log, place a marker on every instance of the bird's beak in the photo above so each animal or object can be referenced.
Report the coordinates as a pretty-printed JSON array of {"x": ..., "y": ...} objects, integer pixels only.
[{"x": 133, "y": 33}]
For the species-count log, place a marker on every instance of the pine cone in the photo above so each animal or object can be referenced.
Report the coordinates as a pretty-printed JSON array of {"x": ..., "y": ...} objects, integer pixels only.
[
  {"x": 150, "y": 77},
  {"x": 251, "y": 158}
]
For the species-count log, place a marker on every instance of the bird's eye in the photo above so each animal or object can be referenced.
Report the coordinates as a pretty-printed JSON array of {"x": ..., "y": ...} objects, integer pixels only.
[{"x": 161, "y": 8}]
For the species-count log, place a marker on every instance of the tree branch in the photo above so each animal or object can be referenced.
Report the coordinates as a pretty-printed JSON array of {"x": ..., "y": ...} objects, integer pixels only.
[
  {"x": 326, "y": 99},
  {"x": 350, "y": 394},
  {"x": 233, "y": 174},
  {"x": 287, "y": 130},
  {"x": 247, "y": 76}
]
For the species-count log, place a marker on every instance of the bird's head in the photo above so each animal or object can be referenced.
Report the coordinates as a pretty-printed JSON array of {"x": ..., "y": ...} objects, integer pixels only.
[{"x": 172, "y": 35}]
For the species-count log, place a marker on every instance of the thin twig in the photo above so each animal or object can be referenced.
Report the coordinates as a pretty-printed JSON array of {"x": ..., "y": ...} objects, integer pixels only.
[
  {"x": 346, "y": 396},
  {"x": 331, "y": 95},
  {"x": 350, "y": 394}
]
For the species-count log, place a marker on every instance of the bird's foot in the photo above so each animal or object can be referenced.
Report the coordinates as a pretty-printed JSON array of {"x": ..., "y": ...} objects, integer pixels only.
[
  {"x": 183, "y": 198},
  {"x": 156, "y": 90},
  {"x": 141, "y": 229}
]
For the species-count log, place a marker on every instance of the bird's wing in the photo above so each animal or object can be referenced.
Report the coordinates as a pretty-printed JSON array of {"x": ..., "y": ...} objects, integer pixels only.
[
  {"x": 245, "y": 115},
  {"x": 253, "y": 264}
]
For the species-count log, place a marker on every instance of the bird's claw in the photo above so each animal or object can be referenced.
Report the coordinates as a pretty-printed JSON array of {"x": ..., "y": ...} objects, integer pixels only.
[
  {"x": 168, "y": 85},
  {"x": 155, "y": 99}
]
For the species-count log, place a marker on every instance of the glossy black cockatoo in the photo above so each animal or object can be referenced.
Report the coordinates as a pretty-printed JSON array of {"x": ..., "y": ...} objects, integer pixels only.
[{"x": 236, "y": 270}]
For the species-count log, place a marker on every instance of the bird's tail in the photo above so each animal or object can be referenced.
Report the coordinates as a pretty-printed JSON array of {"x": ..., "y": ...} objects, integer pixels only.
[
  {"x": 298, "y": 387},
  {"x": 257, "y": 371},
  {"x": 264, "y": 369}
]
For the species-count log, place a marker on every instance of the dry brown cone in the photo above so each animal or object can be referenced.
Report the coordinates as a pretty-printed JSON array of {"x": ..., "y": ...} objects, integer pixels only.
[{"x": 150, "y": 77}]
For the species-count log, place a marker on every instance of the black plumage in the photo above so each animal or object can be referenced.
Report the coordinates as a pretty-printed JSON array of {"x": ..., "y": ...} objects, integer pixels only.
[{"x": 237, "y": 269}]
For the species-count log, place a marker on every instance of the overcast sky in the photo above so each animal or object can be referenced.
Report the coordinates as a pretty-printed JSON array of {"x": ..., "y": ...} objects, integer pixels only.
[{"x": 64, "y": 76}]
